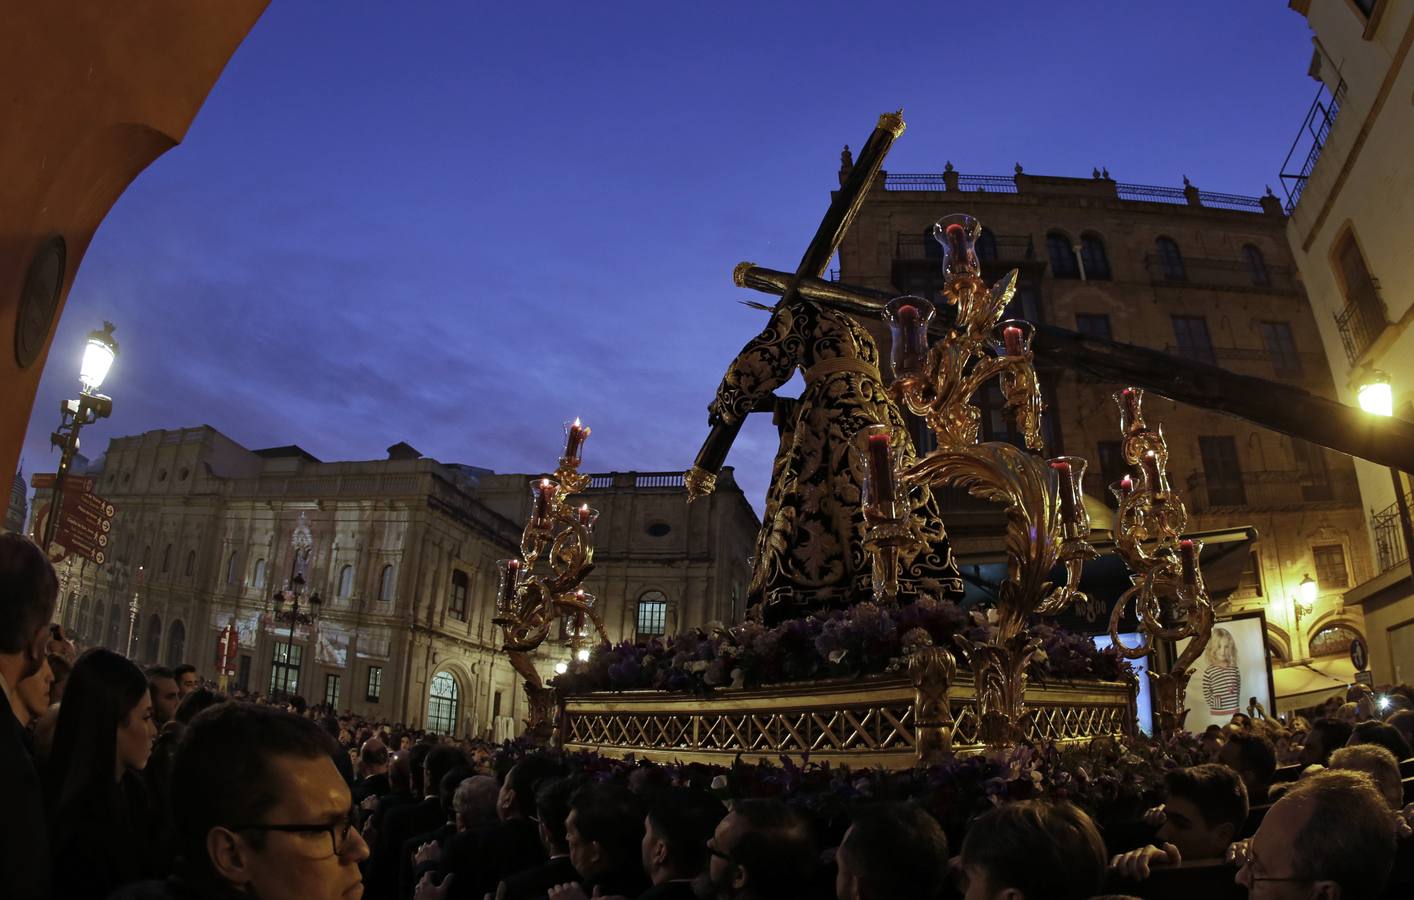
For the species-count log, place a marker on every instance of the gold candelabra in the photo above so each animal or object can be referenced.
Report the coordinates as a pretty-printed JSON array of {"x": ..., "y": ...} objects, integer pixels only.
[{"x": 1047, "y": 521}]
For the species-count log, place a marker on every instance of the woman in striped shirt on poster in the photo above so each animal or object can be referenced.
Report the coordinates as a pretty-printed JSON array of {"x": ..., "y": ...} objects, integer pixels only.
[{"x": 1222, "y": 682}]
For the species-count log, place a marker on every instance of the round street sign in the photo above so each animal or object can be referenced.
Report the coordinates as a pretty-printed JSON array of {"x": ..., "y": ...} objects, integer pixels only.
[{"x": 1359, "y": 654}]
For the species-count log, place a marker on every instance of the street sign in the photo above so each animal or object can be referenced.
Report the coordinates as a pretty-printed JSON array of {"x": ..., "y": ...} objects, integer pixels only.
[
  {"x": 84, "y": 525},
  {"x": 1359, "y": 654},
  {"x": 1365, "y": 678},
  {"x": 76, "y": 483}
]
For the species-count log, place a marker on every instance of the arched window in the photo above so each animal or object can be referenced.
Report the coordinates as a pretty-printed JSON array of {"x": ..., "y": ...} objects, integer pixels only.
[
  {"x": 176, "y": 643},
  {"x": 167, "y": 559},
  {"x": 191, "y": 563},
  {"x": 231, "y": 569},
  {"x": 386, "y": 585},
  {"x": 986, "y": 246},
  {"x": 1092, "y": 254},
  {"x": 345, "y": 582},
  {"x": 153, "y": 635},
  {"x": 442, "y": 704},
  {"x": 1062, "y": 255},
  {"x": 1256, "y": 265},
  {"x": 115, "y": 628},
  {"x": 456, "y": 604},
  {"x": 85, "y": 619},
  {"x": 1333, "y": 640},
  {"x": 1170, "y": 259},
  {"x": 257, "y": 579},
  {"x": 71, "y": 610},
  {"x": 652, "y": 614}
]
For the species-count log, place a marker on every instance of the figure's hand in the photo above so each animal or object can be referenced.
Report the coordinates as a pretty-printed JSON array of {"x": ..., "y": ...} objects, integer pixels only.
[
  {"x": 1156, "y": 816},
  {"x": 1238, "y": 852},
  {"x": 1135, "y": 865},
  {"x": 426, "y": 890},
  {"x": 570, "y": 891},
  {"x": 369, "y": 804},
  {"x": 428, "y": 852}
]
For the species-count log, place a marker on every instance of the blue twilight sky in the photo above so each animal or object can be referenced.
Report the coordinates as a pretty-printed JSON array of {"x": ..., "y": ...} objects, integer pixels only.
[{"x": 460, "y": 223}]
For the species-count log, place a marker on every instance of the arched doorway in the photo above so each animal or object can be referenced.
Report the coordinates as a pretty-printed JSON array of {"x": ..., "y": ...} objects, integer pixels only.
[
  {"x": 443, "y": 704},
  {"x": 153, "y": 644},
  {"x": 176, "y": 642}
]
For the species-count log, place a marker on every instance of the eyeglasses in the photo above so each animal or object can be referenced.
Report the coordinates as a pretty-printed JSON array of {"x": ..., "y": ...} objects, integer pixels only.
[{"x": 338, "y": 832}]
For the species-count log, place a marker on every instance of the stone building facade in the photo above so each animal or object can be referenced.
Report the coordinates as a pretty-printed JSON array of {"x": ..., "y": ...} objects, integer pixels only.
[
  {"x": 1203, "y": 275},
  {"x": 1348, "y": 184},
  {"x": 402, "y": 552}
]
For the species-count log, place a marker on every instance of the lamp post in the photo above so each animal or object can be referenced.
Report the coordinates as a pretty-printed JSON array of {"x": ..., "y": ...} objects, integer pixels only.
[
  {"x": 293, "y": 615},
  {"x": 1377, "y": 398},
  {"x": 133, "y": 611},
  {"x": 1305, "y": 603},
  {"x": 98, "y": 355}
]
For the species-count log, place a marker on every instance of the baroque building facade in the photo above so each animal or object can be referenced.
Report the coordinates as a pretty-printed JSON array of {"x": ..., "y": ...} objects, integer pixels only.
[
  {"x": 402, "y": 552},
  {"x": 1202, "y": 275},
  {"x": 1348, "y": 184}
]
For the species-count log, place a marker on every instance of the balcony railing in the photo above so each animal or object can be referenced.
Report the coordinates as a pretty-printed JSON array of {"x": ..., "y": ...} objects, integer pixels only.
[
  {"x": 1227, "y": 274},
  {"x": 1272, "y": 491},
  {"x": 1009, "y": 184},
  {"x": 1310, "y": 140},
  {"x": 929, "y": 181},
  {"x": 1389, "y": 536},
  {"x": 1359, "y": 324},
  {"x": 1009, "y": 248}
]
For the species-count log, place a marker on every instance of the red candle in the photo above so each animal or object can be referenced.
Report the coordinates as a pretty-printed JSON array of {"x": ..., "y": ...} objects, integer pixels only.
[
  {"x": 957, "y": 237},
  {"x": 1151, "y": 471},
  {"x": 508, "y": 583},
  {"x": 574, "y": 439},
  {"x": 881, "y": 470},
  {"x": 1066, "y": 489},
  {"x": 1126, "y": 485},
  {"x": 910, "y": 332},
  {"x": 584, "y": 515},
  {"x": 1189, "y": 556},
  {"x": 1011, "y": 336},
  {"x": 542, "y": 500}
]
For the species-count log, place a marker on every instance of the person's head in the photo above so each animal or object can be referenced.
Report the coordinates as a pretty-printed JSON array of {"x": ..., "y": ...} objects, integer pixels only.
[
  {"x": 516, "y": 798},
  {"x": 30, "y": 698},
  {"x": 372, "y": 758},
  {"x": 475, "y": 801},
  {"x": 761, "y": 849},
  {"x": 259, "y": 806},
  {"x": 1379, "y": 764},
  {"x": 891, "y": 851},
  {"x": 1330, "y": 836},
  {"x": 604, "y": 830},
  {"x": 28, "y": 591},
  {"x": 552, "y": 808},
  {"x": 400, "y": 773},
  {"x": 417, "y": 761},
  {"x": 676, "y": 829},
  {"x": 60, "y": 644},
  {"x": 187, "y": 679},
  {"x": 441, "y": 759},
  {"x": 447, "y": 788},
  {"x": 195, "y": 702},
  {"x": 1204, "y": 812},
  {"x": 1222, "y": 649},
  {"x": 1033, "y": 849},
  {"x": 1401, "y": 720},
  {"x": 1254, "y": 758},
  {"x": 59, "y": 667},
  {"x": 1381, "y": 734},
  {"x": 162, "y": 682},
  {"x": 1325, "y": 735}
]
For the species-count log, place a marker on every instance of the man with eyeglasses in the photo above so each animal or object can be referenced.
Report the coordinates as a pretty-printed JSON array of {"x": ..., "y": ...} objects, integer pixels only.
[
  {"x": 762, "y": 850},
  {"x": 1330, "y": 837},
  {"x": 259, "y": 811}
]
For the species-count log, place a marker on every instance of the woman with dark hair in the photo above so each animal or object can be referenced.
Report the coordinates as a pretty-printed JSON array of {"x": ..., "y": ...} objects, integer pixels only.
[{"x": 100, "y": 824}]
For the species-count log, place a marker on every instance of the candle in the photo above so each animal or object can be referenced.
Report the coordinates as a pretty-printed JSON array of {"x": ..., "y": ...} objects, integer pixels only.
[
  {"x": 508, "y": 583},
  {"x": 1126, "y": 485},
  {"x": 574, "y": 439},
  {"x": 1066, "y": 488},
  {"x": 584, "y": 515},
  {"x": 1151, "y": 471},
  {"x": 542, "y": 501},
  {"x": 957, "y": 237},
  {"x": 910, "y": 332},
  {"x": 1011, "y": 337},
  {"x": 881, "y": 470},
  {"x": 1189, "y": 555}
]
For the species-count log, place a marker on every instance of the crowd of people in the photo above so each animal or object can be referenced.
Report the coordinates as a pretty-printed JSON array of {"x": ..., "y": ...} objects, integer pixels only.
[{"x": 150, "y": 785}]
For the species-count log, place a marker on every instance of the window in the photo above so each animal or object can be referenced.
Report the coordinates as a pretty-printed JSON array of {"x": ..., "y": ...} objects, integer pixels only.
[
  {"x": 331, "y": 691},
  {"x": 284, "y": 670},
  {"x": 1333, "y": 640},
  {"x": 1191, "y": 334},
  {"x": 652, "y": 614},
  {"x": 659, "y": 529},
  {"x": 442, "y": 704},
  {"x": 1096, "y": 325},
  {"x": 1364, "y": 316},
  {"x": 1249, "y": 582},
  {"x": 1330, "y": 566},
  {"x": 191, "y": 563},
  {"x": 257, "y": 580},
  {"x": 1281, "y": 347},
  {"x": 1311, "y": 471},
  {"x": 345, "y": 582},
  {"x": 1092, "y": 254},
  {"x": 1062, "y": 255},
  {"x": 1221, "y": 471},
  {"x": 1170, "y": 260},
  {"x": 153, "y": 646},
  {"x": 71, "y": 609},
  {"x": 167, "y": 559},
  {"x": 231, "y": 569},
  {"x": 496, "y": 705},
  {"x": 1112, "y": 466},
  {"x": 986, "y": 246},
  {"x": 997, "y": 422},
  {"x": 115, "y": 625},
  {"x": 176, "y": 643},
  {"x": 243, "y": 672},
  {"x": 457, "y": 607},
  {"x": 1256, "y": 266},
  {"x": 386, "y": 585},
  {"x": 375, "y": 684}
]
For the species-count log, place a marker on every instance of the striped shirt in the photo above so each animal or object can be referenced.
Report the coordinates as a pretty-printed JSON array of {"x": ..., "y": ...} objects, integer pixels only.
[{"x": 1222, "y": 688}]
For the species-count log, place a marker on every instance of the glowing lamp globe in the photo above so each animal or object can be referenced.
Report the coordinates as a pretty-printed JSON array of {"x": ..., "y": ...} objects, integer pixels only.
[
  {"x": 561, "y": 667},
  {"x": 1308, "y": 588},
  {"x": 98, "y": 354},
  {"x": 1376, "y": 396}
]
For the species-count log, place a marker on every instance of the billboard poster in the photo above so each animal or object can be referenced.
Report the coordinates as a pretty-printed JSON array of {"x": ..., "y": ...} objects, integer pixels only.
[
  {"x": 1233, "y": 670},
  {"x": 1144, "y": 701},
  {"x": 332, "y": 646}
]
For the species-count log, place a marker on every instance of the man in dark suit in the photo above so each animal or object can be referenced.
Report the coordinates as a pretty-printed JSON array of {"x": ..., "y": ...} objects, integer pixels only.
[
  {"x": 677, "y": 827},
  {"x": 604, "y": 831},
  {"x": 407, "y": 821},
  {"x": 552, "y": 807},
  {"x": 28, "y": 591}
]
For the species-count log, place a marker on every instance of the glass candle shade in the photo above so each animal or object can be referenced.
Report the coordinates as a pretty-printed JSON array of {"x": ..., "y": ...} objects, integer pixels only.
[
  {"x": 586, "y": 516},
  {"x": 1013, "y": 337},
  {"x": 908, "y": 318},
  {"x": 509, "y": 570},
  {"x": 1130, "y": 401},
  {"x": 575, "y": 436},
  {"x": 958, "y": 235},
  {"x": 542, "y": 492},
  {"x": 1069, "y": 475},
  {"x": 1155, "y": 479},
  {"x": 1122, "y": 488},
  {"x": 1188, "y": 551},
  {"x": 875, "y": 447}
]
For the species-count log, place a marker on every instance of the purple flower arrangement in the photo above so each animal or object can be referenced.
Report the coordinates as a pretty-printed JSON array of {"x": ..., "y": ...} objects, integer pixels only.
[{"x": 865, "y": 639}]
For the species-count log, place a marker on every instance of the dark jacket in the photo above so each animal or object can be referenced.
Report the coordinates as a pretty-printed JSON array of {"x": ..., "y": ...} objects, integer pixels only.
[
  {"x": 481, "y": 859},
  {"x": 400, "y": 824},
  {"x": 24, "y": 845},
  {"x": 669, "y": 890},
  {"x": 101, "y": 843},
  {"x": 536, "y": 882},
  {"x": 629, "y": 881}
]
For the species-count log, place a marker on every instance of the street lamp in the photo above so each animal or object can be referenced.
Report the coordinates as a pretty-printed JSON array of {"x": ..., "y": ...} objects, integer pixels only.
[
  {"x": 293, "y": 615},
  {"x": 98, "y": 355},
  {"x": 1377, "y": 398},
  {"x": 1305, "y": 603}
]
